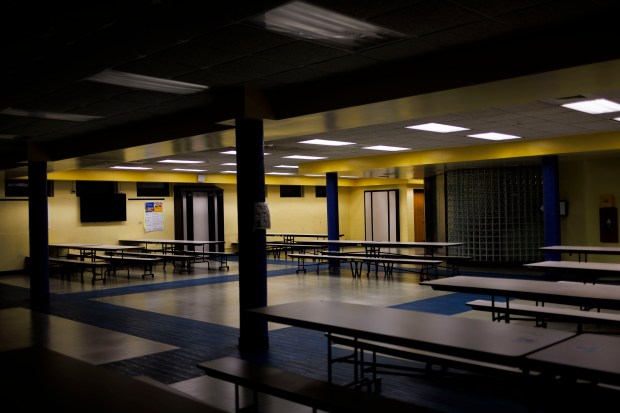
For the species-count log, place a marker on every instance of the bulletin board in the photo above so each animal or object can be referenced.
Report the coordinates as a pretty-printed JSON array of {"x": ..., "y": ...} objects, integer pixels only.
[{"x": 153, "y": 216}]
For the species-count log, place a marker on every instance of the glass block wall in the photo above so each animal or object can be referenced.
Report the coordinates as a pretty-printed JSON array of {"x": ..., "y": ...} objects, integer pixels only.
[{"x": 496, "y": 212}]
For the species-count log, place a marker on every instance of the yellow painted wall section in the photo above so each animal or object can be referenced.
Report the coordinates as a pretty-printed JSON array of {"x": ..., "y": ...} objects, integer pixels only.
[
  {"x": 307, "y": 214},
  {"x": 14, "y": 237},
  {"x": 65, "y": 226},
  {"x": 582, "y": 181},
  {"x": 231, "y": 233}
]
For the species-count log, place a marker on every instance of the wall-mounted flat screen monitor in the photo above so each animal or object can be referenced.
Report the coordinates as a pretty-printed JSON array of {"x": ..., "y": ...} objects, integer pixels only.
[{"x": 103, "y": 208}]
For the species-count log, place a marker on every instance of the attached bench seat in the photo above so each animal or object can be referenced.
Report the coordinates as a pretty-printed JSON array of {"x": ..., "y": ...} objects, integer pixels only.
[
  {"x": 363, "y": 365},
  {"x": 184, "y": 261},
  {"x": 98, "y": 268},
  {"x": 357, "y": 262},
  {"x": 118, "y": 262},
  {"x": 543, "y": 314},
  {"x": 315, "y": 393},
  {"x": 218, "y": 256},
  {"x": 276, "y": 248},
  {"x": 452, "y": 262}
]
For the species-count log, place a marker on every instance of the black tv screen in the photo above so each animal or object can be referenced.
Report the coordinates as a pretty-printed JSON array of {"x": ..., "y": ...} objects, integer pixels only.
[{"x": 103, "y": 208}]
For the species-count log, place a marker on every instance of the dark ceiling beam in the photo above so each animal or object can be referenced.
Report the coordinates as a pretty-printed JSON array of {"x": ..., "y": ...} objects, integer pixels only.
[{"x": 226, "y": 104}]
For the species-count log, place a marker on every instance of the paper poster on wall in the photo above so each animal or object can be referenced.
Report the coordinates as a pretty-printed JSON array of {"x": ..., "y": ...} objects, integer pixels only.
[{"x": 153, "y": 216}]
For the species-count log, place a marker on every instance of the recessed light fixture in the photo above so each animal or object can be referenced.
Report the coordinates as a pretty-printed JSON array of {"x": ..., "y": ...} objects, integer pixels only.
[
  {"x": 137, "y": 168},
  {"x": 437, "y": 127},
  {"x": 229, "y": 164},
  {"x": 178, "y": 161},
  {"x": 307, "y": 157},
  {"x": 594, "y": 106},
  {"x": 494, "y": 136},
  {"x": 327, "y": 142},
  {"x": 71, "y": 117},
  {"x": 287, "y": 166},
  {"x": 306, "y": 21},
  {"x": 229, "y": 172},
  {"x": 114, "y": 77},
  {"x": 349, "y": 176},
  {"x": 315, "y": 175},
  {"x": 386, "y": 148},
  {"x": 233, "y": 152},
  {"x": 189, "y": 170},
  {"x": 278, "y": 173}
]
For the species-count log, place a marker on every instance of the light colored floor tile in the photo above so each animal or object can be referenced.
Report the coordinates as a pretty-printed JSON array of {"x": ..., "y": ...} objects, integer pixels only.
[
  {"x": 219, "y": 303},
  {"x": 20, "y": 327}
]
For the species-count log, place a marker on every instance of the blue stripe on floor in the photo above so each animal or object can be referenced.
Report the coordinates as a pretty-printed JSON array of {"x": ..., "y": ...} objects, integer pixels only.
[
  {"x": 137, "y": 289},
  {"x": 448, "y": 304}
]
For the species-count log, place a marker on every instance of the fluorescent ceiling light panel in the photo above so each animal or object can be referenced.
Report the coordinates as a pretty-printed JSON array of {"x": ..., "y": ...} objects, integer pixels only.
[
  {"x": 349, "y": 176},
  {"x": 235, "y": 152},
  {"x": 306, "y": 157},
  {"x": 494, "y": 136},
  {"x": 71, "y": 117},
  {"x": 278, "y": 173},
  {"x": 437, "y": 127},
  {"x": 326, "y": 142},
  {"x": 287, "y": 166},
  {"x": 178, "y": 161},
  {"x": 229, "y": 164},
  {"x": 306, "y": 21},
  {"x": 229, "y": 172},
  {"x": 386, "y": 148},
  {"x": 315, "y": 175},
  {"x": 114, "y": 77},
  {"x": 137, "y": 168},
  {"x": 189, "y": 170},
  {"x": 594, "y": 106}
]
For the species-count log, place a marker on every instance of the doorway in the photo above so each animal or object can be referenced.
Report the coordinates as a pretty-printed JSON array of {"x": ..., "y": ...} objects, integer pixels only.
[
  {"x": 381, "y": 215},
  {"x": 199, "y": 214},
  {"x": 419, "y": 223}
]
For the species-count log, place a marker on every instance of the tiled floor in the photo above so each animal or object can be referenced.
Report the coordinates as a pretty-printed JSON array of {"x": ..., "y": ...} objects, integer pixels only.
[{"x": 186, "y": 297}]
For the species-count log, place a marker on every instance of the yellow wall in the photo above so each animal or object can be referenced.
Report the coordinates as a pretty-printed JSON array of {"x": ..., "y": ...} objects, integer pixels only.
[
  {"x": 307, "y": 214},
  {"x": 14, "y": 237},
  {"x": 65, "y": 226},
  {"x": 582, "y": 181}
]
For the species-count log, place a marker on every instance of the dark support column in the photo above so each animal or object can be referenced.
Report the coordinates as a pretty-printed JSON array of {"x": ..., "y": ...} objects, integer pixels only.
[
  {"x": 252, "y": 246},
  {"x": 551, "y": 205},
  {"x": 38, "y": 233},
  {"x": 333, "y": 223}
]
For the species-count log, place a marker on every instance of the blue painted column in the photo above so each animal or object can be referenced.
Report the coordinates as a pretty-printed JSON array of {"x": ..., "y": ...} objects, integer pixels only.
[
  {"x": 333, "y": 222},
  {"x": 551, "y": 205},
  {"x": 253, "y": 333},
  {"x": 38, "y": 235}
]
